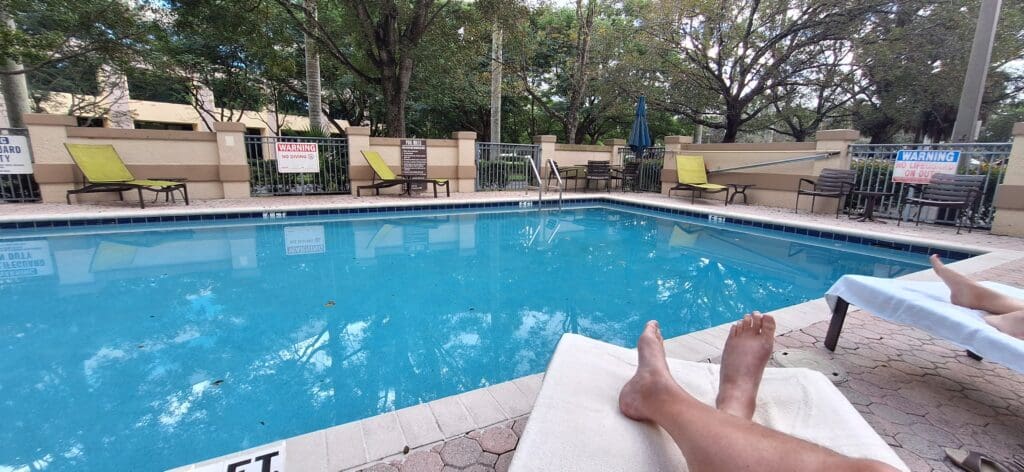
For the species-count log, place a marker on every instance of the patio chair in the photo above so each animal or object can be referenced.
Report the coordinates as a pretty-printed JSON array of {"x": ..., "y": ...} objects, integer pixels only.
[
  {"x": 958, "y": 193},
  {"x": 579, "y": 396},
  {"x": 391, "y": 179},
  {"x": 693, "y": 176},
  {"x": 629, "y": 176},
  {"x": 569, "y": 173},
  {"x": 105, "y": 172},
  {"x": 925, "y": 306},
  {"x": 831, "y": 183},
  {"x": 599, "y": 171}
]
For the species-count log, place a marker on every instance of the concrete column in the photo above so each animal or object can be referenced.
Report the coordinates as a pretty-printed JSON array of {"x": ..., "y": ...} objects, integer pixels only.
[
  {"x": 4, "y": 122},
  {"x": 53, "y": 167},
  {"x": 673, "y": 147},
  {"x": 615, "y": 145},
  {"x": 1009, "y": 202},
  {"x": 547, "y": 143},
  {"x": 358, "y": 140},
  {"x": 114, "y": 95},
  {"x": 829, "y": 141},
  {"x": 234, "y": 170},
  {"x": 466, "y": 171}
]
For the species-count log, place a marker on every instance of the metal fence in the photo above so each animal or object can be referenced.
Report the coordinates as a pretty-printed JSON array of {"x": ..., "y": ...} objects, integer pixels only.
[
  {"x": 501, "y": 166},
  {"x": 17, "y": 188},
  {"x": 874, "y": 166},
  {"x": 264, "y": 178},
  {"x": 651, "y": 162}
]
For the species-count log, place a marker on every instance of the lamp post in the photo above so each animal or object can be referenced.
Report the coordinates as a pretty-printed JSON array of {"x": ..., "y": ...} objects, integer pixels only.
[{"x": 964, "y": 130}]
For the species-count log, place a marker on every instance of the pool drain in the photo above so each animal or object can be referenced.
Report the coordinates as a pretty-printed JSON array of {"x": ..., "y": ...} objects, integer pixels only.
[{"x": 811, "y": 360}]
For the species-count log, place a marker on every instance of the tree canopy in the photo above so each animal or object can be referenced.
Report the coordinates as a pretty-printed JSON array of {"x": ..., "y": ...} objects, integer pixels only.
[{"x": 737, "y": 68}]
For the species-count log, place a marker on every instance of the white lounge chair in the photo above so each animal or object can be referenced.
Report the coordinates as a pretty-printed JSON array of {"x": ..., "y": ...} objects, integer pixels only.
[
  {"x": 576, "y": 424},
  {"x": 926, "y": 306}
]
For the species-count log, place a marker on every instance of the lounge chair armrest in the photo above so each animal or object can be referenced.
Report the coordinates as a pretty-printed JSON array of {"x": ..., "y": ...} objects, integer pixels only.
[{"x": 800, "y": 185}]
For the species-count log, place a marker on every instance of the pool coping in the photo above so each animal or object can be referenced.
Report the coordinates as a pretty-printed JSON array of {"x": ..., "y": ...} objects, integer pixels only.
[
  {"x": 278, "y": 215},
  {"x": 390, "y": 435}
]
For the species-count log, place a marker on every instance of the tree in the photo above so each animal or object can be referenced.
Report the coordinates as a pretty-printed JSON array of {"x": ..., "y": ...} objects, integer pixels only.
[
  {"x": 53, "y": 32},
  {"x": 312, "y": 61},
  {"x": 730, "y": 56},
  {"x": 818, "y": 95},
  {"x": 375, "y": 41}
]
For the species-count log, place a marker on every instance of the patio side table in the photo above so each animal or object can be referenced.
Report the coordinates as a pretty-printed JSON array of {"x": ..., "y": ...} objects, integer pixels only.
[
  {"x": 871, "y": 202},
  {"x": 739, "y": 189}
]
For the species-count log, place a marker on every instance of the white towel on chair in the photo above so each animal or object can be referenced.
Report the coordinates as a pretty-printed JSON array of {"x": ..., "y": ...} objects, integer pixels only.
[
  {"x": 576, "y": 424},
  {"x": 926, "y": 306}
]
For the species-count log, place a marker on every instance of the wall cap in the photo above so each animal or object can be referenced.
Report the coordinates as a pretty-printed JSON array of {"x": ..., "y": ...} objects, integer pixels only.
[
  {"x": 837, "y": 135},
  {"x": 545, "y": 138},
  {"x": 678, "y": 139},
  {"x": 470, "y": 135},
  {"x": 1018, "y": 129},
  {"x": 150, "y": 134},
  {"x": 49, "y": 119},
  {"x": 357, "y": 131},
  {"x": 228, "y": 127},
  {"x": 616, "y": 142}
]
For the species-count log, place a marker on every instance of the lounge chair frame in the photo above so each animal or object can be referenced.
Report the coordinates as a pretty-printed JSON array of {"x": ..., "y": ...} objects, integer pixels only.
[
  {"x": 123, "y": 184},
  {"x": 954, "y": 192},
  {"x": 831, "y": 183},
  {"x": 599, "y": 171},
  {"x": 696, "y": 189},
  {"x": 401, "y": 179},
  {"x": 119, "y": 188},
  {"x": 835, "y": 327}
]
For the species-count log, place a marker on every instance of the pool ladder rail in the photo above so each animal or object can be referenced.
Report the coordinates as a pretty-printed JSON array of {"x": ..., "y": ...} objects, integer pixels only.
[{"x": 559, "y": 185}]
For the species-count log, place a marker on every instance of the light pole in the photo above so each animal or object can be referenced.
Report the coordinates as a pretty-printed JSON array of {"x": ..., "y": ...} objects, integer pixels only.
[{"x": 977, "y": 70}]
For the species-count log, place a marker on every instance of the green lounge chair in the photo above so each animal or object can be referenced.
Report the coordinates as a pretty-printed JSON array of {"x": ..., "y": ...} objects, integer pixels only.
[
  {"x": 694, "y": 177},
  {"x": 104, "y": 171},
  {"x": 390, "y": 179}
]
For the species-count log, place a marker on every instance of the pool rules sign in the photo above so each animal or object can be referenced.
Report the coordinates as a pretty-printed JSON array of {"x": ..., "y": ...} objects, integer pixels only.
[
  {"x": 297, "y": 158},
  {"x": 414, "y": 161},
  {"x": 15, "y": 156}
]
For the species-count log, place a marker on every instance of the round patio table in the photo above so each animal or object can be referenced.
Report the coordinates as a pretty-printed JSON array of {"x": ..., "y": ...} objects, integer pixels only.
[{"x": 871, "y": 198}]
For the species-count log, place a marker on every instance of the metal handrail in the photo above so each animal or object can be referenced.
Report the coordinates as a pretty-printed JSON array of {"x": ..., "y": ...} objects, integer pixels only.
[
  {"x": 540, "y": 183},
  {"x": 815, "y": 157},
  {"x": 558, "y": 175}
]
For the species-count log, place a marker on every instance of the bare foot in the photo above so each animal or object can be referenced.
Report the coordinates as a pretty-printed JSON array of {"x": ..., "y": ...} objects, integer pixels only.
[
  {"x": 743, "y": 360},
  {"x": 962, "y": 290},
  {"x": 1010, "y": 323},
  {"x": 652, "y": 378}
]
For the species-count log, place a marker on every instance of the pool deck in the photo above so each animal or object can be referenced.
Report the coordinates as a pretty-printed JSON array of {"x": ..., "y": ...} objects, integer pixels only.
[{"x": 921, "y": 394}]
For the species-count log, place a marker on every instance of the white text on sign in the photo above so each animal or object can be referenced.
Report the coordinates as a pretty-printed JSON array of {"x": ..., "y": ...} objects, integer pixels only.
[{"x": 918, "y": 166}]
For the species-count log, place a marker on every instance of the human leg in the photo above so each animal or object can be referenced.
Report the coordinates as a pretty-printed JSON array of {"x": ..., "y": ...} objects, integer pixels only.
[
  {"x": 743, "y": 361},
  {"x": 970, "y": 294},
  {"x": 713, "y": 440}
]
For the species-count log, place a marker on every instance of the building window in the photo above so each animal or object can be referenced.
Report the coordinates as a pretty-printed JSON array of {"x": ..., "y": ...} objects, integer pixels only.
[
  {"x": 89, "y": 121},
  {"x": 254, "y": 131},
  {"x": 163, "y": 125}
]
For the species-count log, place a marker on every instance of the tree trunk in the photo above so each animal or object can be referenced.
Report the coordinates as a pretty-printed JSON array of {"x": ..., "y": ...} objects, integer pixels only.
[
  {"x": 315, "y": 105},
  {"x": 732, "y": 127},
  {"x": 496, "y": 84},
  {"x": 15, "y": 89}
]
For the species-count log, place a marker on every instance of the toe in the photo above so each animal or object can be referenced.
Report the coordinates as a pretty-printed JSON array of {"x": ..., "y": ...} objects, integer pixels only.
[
  {"x": 756, "y": 322},
  {"x": 768, "y": 325}
]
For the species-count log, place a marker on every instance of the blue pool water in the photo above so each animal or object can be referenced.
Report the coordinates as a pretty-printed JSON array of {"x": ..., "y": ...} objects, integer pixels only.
[{"x": 147, "y": 347}]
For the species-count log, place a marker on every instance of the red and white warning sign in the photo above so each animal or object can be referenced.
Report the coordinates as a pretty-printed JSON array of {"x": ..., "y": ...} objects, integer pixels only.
[{"x": 294, "y": 158}]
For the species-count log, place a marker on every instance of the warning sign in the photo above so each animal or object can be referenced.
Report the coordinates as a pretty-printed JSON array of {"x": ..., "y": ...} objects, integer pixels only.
[
  {"x": 15, "y": 155},
  {"x": 297, "y": 158},
  {"x": 917, "y": 167},
  {"x": 20, "y": 259},
  {"x": 414, "y": 161}
]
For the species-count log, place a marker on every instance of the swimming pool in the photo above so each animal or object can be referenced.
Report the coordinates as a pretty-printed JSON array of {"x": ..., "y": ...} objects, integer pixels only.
[{"x": 141, "y": 347}]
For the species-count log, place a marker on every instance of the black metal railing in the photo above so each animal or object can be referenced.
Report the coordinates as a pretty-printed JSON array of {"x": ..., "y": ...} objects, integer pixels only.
[
  {"x": 874, "y": 165},
  {"x": 651, "y": 162},
  {"x": 502, "y": 166},
  {"x": 265, "y": 179},
  {"x": 18, "y": 188}
]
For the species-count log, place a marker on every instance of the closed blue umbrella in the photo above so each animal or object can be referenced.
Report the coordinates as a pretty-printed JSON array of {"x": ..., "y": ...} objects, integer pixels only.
[{"x": 640, "y": 134}]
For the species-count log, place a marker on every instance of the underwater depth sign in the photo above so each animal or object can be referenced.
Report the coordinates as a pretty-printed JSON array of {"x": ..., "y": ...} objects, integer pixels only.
[
  {"x": 15, "y": 155},
  {"x": 917, "y": 166}
]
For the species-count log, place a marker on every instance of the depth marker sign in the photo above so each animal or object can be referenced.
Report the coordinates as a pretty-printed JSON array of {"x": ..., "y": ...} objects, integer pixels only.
[
  {"x": 297, "y": 158},
  {"x": 917, "y": 167},
  {"x": 15, "y": 156}
]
